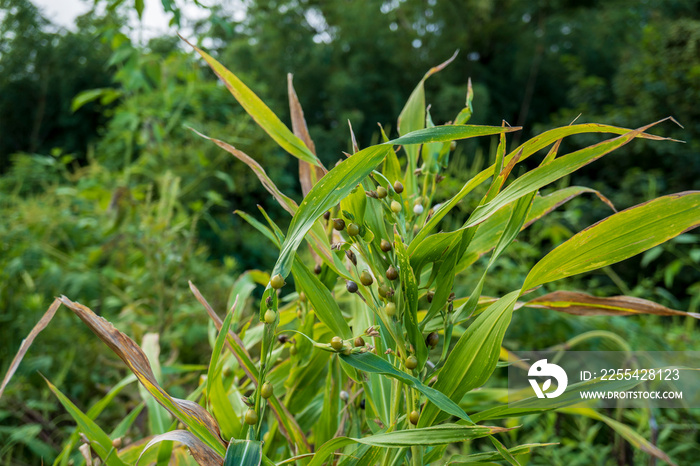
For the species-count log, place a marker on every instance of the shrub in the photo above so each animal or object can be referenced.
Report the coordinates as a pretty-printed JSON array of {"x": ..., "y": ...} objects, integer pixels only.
[{"x": 360, "y": 350}]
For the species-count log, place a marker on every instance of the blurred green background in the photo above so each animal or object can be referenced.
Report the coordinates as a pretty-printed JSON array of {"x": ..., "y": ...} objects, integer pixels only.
[{"x": 106, "y": 196}]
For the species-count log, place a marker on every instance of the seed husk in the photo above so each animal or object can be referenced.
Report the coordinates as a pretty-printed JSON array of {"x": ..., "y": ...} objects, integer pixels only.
[
  {"x": 339, "y": 224},
  {"x": 411, "y": 362},
  {"x": 383, "y": 290},
  {"x": 381, "y": 192},
  {"x": 337, "y": 343},
  {"x": 326, "y": 215},
  {"x": 317, "y": 269},
  {"x": 398, "y": 187},
  {"x": 366, "y": 278},
  {"x": 359, "y": 342},
  {"x": 385, "y": 245},
  {"x": 251, "y": 417},
  {"x": 277, "y": 282},
  {"x": 353, "y": 229},
  {"x": 392, "y": 273},
  {"x": 351, "y": 286},
  {"x": 429, "y": 296}
]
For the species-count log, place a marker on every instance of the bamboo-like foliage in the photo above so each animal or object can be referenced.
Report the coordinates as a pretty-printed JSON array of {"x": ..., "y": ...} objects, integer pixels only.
[{"x": 367, "y": 360}]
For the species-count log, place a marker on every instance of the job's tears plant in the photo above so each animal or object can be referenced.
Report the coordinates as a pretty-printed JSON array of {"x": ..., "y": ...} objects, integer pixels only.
[{"x": 367, "y": 359}]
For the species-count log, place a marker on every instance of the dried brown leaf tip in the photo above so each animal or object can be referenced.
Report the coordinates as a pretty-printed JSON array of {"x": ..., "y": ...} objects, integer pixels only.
[{"x": 133, "y": 356}]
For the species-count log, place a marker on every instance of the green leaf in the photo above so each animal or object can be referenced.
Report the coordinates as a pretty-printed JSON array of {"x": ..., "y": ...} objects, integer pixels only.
[
  {"x": 321, "y": 300},
  {"x": 243, "y": 453},
  {"x": 372, "y": 363},
  {"x": 618, "y": 237},
  {"x": 260, "y": 112},
  {"x": 99, "y": 440},
  {"x": 474, "y": 357},
  {"x": 436, "y": 435},
  {"x": 448, "y": 133},
  {"x": 522, "y": 152},
  {"x": 325, "y": 194},
  {"x": 409, "y": 288},
  {"x": 202, "y": 454}
]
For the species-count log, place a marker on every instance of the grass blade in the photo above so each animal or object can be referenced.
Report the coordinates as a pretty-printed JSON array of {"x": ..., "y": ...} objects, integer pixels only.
[
  {"x": 325, "y": 194},
  {"x": 618, "y": 237},
  {"x": 260, "y": 112},
  {"x": 583, "y": 304},
  {"x": 372, "y": 363},
  {"x": 243, "y": 453},
  {"x": 197, "y": 419},
  {"x": 474, "y": 357}
]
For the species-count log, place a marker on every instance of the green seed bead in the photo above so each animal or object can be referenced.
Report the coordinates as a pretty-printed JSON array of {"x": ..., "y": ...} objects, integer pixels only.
[
  {"x": 266, "y": 391},
  {"x": 277, "y": 282},
  {"x": 392, "y": 273},
  {"x": 390, "y": 309},
  {"x": 383, "y": 290},
  {"x": 395, "y": 207},
  {"x": 339, "y": 224},
  {"x": 337, "y": 343},
  {"x": 293, "y": 350},
  {"x": 251, "y": 417},
  {"x": 381, "y": 192},
  {"x": 411, "y": 362},
  {"x": 353, "y": 229},
  {"x": 414, "y": 417},
  {"x": 270, "y": 316},
  {"x": 366, "y": 278}
]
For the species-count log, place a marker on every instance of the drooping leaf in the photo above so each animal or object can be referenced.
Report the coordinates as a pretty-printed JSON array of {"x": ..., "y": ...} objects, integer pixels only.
[
  {"x": 196, "y": 418},
  {"x": 583, "y": 304},
  {"x": 260, "y": 112},
  {"x": 203, "y": 455},
  {"x": 27, "y": 342},
  {"x": 372, "y": 363},
  {"x": 619, "y": 237},
  {"x": 285, "y": 202}
]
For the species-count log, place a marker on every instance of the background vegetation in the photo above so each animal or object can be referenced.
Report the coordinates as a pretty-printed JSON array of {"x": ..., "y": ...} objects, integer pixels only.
[{"x": 112, "y": 201}]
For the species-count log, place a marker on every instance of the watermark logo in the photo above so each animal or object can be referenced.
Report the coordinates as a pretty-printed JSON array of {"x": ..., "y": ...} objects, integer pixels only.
[{"x": 544, "y": 369}]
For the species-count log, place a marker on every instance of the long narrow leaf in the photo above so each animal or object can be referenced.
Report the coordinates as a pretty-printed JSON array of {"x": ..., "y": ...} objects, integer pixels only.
[
  {"x": 260, "y": 112},
  {"x": 372, "y": 363},
  {"x": 619, "y": 237}
]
